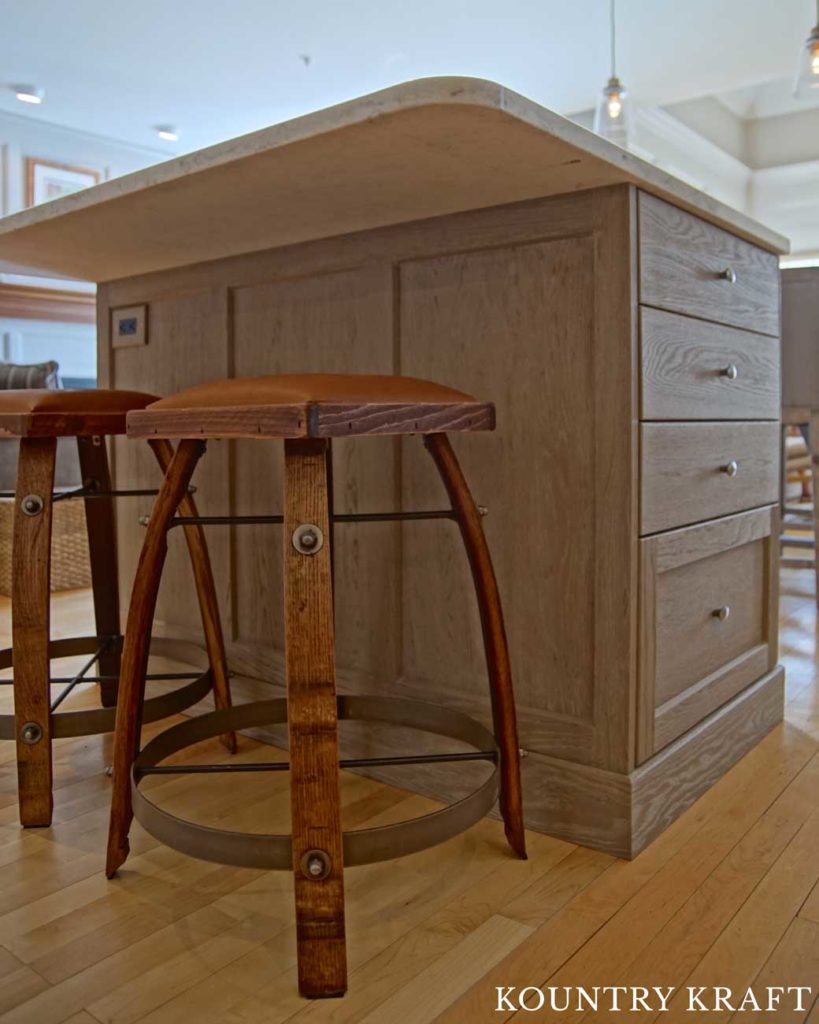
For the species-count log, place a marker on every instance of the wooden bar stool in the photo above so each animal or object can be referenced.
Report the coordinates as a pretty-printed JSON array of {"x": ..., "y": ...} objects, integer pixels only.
[
  {"x": 306, "y": 412},
  {"x": 38, "y": 418}
]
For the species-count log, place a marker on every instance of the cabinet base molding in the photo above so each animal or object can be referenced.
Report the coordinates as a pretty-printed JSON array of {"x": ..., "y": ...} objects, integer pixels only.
[{"x": 622, "y": 814}]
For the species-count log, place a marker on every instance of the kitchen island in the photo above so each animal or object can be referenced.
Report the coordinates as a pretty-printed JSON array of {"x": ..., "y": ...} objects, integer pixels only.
[{"x": 625, "y": 325}]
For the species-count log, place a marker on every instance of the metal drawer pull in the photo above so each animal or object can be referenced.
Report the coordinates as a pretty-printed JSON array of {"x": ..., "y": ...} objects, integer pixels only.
[
  {"x": 731, "y": 468},
  {"x": 722, "y": 613},
  {"x": 731, "y": 371},
  {"x": 729, "y": 275}
]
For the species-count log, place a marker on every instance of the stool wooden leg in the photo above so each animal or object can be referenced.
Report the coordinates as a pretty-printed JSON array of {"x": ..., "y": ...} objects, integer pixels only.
[
  {"x": 312, "y": 722},
  {"x": 30, "y": 627},
  {"x": 206, "y": 594},
  {"x": 137, "y": 644},
  {"x": 102, "y": 548},
  {"x": 813, "y": 447},
  {"x": 494, "y": 636}
]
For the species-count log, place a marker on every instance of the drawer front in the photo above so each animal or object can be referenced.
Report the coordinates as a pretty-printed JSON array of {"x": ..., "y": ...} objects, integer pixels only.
[
  {"x": 687, "y": 266},
  {"x": 708, "y": 620},
  {"x": 691, "y": 472},
  {"x": 694, "y": 370}
]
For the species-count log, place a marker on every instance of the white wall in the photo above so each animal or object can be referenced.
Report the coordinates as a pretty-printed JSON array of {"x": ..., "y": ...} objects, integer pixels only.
[
  {"x": 22, "y": 137},
  {"x": 30, "y": 341}
]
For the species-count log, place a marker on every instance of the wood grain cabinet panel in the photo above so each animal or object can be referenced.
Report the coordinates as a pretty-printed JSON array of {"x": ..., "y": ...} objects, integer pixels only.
[
  {"x": 692, "y": 267},
  {"x": 695, "y": 370},
  {"x": 697, "y": 471},
  {"x": 328, "y": 323},
  {"x": 708, "y": 621}
]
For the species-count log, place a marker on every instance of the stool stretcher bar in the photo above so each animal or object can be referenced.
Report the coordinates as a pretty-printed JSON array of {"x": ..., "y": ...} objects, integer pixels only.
[
  {"x": 351, "y": 762},
  {"x": 346, "y": 517}
]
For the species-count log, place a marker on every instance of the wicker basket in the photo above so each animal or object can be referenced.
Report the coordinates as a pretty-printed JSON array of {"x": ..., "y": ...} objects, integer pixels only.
[{"x": 70, "y": 565}]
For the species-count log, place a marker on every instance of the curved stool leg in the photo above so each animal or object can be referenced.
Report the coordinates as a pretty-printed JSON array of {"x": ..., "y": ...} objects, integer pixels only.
[
  {"x": 312, "y": 721},
  {"x": 205, "y": 592},
  {"x": 102, "y": 546},
  {"x": 494, "y": 635},
  {"x": 30, "y": 627},
  {"x": 137, "y": 644}
]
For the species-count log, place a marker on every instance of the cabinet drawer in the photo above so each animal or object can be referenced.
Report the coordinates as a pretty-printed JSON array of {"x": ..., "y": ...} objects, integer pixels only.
[
  {"x": 687, "y": 265},
  {"x": 695, "y": 370},
  {"x": 707, "y": 622},
  {"x": 696, "y": 471}
]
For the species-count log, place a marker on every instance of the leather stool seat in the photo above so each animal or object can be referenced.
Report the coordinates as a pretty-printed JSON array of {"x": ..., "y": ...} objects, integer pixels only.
[
  {"x": 311, "y": 405},
  {"x": 43, "y": 412}
]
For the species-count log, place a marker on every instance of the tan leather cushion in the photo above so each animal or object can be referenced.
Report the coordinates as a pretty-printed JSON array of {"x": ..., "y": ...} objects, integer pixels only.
[
  {"x": 72, "y": 402},
  {"x": 292, "y": 389}
]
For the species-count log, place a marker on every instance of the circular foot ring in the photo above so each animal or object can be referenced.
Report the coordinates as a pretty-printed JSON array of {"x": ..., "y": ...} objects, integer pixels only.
[
  {"x": 91, "y": 721},
  {"x": 361, "y": 846}
]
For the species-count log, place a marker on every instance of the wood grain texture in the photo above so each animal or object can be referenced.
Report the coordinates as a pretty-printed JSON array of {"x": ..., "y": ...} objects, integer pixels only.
[
  {"x": 312, "y": 725},
  {"x": 668, "y": 784},
  {"x": 45, "y": 424},
  {"x": 312, "y": 419},
  {"x": 24, "y": 302},
  {"x": 800, "y": 340},
  {"x": 683, "y": 370},
  {"x": 492, "y": 305},
  {"x": 187, "y": 345},
  {"x": 682, "y": 471},
  {"x": 732, "y": 886},
  {"x": 137, "y": 643},
  {"x": 681, "y": 258},
  {"x": 205, "y": 594},
  {"x": 494, "y": 637},
  {"x": 31, "y": 568},
  {"x": 691, "y": 661},
  {"x": 348, "y": 316},
  {"x": 533, "y": 306},
  {"x": 102, "y": 548}
]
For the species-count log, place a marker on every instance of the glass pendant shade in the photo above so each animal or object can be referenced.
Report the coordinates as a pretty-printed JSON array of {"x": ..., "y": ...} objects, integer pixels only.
[
  {"x": 612, "y": 119},
  {"x": 807, "y": 73}
]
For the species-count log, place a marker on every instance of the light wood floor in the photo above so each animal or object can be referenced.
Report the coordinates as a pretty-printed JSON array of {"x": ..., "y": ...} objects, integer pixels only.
[{"x": 727, "y": 896}]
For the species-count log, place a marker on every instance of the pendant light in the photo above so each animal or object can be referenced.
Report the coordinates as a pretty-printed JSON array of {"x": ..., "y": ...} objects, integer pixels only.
[
  {"x": 612, "y": 119},
  {"x": 807, "y": 73}
]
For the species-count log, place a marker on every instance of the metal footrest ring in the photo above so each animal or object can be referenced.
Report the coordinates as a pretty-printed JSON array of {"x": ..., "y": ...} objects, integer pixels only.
[
  {"x": 361, "y": 846},
  {"x": 91, "y": 721}
]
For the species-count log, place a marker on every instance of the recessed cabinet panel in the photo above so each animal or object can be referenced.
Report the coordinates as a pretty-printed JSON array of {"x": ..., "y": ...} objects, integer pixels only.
[
  {"x": 708, "y": 622},
  {"x": 513, "y": 325}
]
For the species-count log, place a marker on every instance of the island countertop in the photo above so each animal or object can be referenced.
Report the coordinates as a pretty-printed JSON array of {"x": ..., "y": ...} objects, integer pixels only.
[{"x": 423, "y": 149}]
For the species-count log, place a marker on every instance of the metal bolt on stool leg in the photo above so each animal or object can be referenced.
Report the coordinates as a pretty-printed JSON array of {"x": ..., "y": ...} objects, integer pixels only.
[
  {"x": 31, "y": 733},
  {"x": 315, "y": 864},
  {"x": 32, "y": 504},
  {"x": 308, "y": 539}
]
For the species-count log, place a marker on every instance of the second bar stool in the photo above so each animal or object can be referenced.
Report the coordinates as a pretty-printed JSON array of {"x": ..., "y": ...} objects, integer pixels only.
[
  {"x": 306, "y": 412},
  {"x": 37, "y": 417}
]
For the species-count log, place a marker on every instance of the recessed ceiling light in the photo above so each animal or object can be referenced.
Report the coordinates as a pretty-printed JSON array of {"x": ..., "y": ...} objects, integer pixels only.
[
  {"x": 167, "y": 132},
  {"x": 29, "y": 93}
]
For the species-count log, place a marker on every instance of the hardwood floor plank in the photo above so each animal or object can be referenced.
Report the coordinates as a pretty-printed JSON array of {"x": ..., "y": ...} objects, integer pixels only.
[
  {"x": 667, "y": 871},
  {"x": 442, "y": 982},
  {"x": 729, "y": 895},
  {"x": 796, "y": 960},
  {"x": 685, "y": 938},
  {"x": 750, "y": 938}
]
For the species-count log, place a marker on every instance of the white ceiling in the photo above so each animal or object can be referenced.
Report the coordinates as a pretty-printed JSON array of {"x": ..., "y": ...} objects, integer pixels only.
[{"x": 217, "y": 69}]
